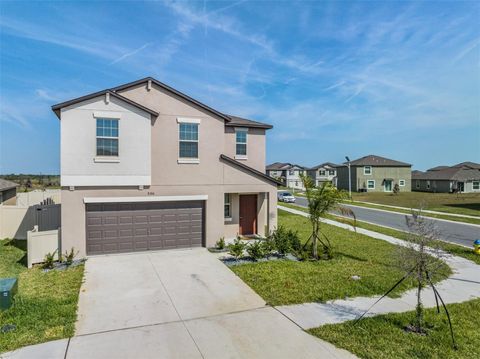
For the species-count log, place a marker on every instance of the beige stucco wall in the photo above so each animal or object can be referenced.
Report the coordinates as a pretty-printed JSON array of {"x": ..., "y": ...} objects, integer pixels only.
[
  {"x": 255, "y": 147},
  {"x": 210, "y": 176},
  {"x": 234, "y": 181}
]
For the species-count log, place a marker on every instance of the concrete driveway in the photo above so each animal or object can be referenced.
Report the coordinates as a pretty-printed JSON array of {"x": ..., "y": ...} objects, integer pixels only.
[{"x": 176, "y": 304}]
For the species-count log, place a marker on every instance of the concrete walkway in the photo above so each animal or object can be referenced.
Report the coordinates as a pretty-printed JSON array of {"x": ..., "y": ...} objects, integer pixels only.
[
  {"x": 463, "y": 285},
  {"x": 175, "y": 304}
]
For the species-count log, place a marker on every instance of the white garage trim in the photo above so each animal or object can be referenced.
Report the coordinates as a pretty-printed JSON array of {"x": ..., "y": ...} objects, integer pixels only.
[{"x": 202, "y": 197}]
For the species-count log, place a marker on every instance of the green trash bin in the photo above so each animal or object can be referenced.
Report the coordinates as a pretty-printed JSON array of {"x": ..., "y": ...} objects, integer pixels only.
[{"x": 8, "y": 289}]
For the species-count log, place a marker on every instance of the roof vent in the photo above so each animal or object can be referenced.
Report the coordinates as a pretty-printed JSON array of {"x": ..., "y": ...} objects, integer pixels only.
[
  {"x": 149, "y": 85},
  {"x": 107, "y": 98}
]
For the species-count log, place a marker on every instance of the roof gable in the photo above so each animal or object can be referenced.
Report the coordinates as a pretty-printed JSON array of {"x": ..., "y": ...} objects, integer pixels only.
[{"x": 374, "y": 160}]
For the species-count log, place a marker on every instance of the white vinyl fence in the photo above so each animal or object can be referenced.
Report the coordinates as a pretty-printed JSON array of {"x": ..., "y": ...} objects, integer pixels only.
[
  {"x": 25, "y": 199},
  {"x": 39, "y": 244}
]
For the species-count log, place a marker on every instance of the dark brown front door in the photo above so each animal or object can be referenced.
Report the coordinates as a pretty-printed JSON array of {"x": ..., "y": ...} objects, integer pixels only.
[{"x": 248, "y": 214}]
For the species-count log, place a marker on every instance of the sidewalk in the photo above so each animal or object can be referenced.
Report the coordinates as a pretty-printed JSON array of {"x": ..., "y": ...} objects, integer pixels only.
[{"x": 463, "y": 285}]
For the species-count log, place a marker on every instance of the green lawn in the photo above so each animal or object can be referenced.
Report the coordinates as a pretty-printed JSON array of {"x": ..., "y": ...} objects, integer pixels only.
[
  {"x": 288, "y": 282},
  {"x": 454, "y": 249},
  {"x": 384, "y": 336},
  {"x": 464, "y": 203},
  {"x": 46, "y": 304}
]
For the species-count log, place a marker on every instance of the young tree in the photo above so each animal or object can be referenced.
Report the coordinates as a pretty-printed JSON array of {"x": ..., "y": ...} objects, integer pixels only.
[
  {"x": 420, "y": 257},
  {"x": 321, "y": 200}
]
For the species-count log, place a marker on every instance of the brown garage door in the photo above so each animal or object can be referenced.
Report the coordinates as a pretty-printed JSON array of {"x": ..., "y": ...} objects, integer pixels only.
[{"x": 130, "y": 227}]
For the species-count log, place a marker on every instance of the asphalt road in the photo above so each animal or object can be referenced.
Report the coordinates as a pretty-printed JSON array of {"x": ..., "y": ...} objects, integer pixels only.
[{"x": 454, "y": 232}]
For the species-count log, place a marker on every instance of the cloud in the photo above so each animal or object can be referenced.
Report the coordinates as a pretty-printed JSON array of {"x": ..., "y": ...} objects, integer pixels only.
[
  {"x": 46, "y": 95},
  {"x": 130, "y": 53}
]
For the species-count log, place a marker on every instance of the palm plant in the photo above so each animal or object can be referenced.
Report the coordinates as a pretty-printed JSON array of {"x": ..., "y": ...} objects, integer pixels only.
[{"x": 321, "y": 200}]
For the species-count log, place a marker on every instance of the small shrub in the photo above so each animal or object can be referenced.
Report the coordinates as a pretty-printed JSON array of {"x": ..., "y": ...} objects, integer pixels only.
[
  {"x": 268, "y": 246},
  {"x": 285, "y": 241},
  {"x": 69, "y": 256},
  {"x": 236, "y": 248},
  {"x": 255, "y": 250},
  {"x": 220, "y": 243},
  {"x": 49, "y": 260}
]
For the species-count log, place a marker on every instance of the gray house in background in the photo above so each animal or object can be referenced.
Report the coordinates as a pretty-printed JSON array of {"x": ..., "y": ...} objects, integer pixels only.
[
  {"x": 287, "y": 173},
  {"x": 463, "y": 177},
  {"x": 325, "y": 172},
  {"x": 374, "y": 173},
  {"x": 8, "y": 192}
]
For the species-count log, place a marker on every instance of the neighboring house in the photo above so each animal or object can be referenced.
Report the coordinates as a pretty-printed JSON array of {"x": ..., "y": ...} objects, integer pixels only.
[
  {"x": 8, "y": 192},
  {"x": 375, "y": 174},
  {"x": 325, "y": 172},
  {"x": 463, "y": 177},
  {"x": 287, "y": 173},
  {"x": 146, "y": 167}
]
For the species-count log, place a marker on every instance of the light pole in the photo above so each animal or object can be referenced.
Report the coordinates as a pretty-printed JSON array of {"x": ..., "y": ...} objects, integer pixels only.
[{"x": 349, "y": 178}]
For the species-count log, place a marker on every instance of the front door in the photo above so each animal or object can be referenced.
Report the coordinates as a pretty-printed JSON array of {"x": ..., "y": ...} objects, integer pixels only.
[
  {"x": 388, "y": 185},
  {"x": 461, "y": 187},
  {"x": 248, "y": 214}
]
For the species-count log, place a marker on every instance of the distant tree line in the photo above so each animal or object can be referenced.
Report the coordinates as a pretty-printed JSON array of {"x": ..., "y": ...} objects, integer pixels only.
[{"x": 33, "y": 181}]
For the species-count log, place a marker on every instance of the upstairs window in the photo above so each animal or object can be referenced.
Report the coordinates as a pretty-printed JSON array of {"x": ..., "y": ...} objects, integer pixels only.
[
  {"x": 321, "y": 172},
  {"x": 401, "y": 183},
  {"x": 107, "y": 137},
  {"x": 188, "y": 138},
  {"x": 241, "y": 142},
  {"x": 331, "y": 172},
  {"x": 367, "y": 170}
]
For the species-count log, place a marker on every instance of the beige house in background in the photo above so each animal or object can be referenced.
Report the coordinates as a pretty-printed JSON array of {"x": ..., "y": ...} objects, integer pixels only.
[
  {"x": 146, "y": 167},
  {"x": 374, "y": 173}
]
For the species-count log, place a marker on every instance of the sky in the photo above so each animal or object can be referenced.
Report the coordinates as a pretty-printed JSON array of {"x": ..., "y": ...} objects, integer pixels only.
[{"x": 395, "y": 79}]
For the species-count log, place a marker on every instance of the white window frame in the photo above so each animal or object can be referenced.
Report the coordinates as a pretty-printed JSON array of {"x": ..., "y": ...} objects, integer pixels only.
[
  {"x": 365, "y": 170},
  {"x": 478, "y": 185},
  {"x": 401, "y": 183},
  {"x": 106, "y": 158},
  {"x": 322, "y": 172},
  {"x": 245, "y": 156},
  {"x": 291, "y": 172},
  {"x": 331, "y": 172},
  {"x": 368, "y": 187},
  {"x": 189, "y": 160},
  {"x": 228, "y": 203}
]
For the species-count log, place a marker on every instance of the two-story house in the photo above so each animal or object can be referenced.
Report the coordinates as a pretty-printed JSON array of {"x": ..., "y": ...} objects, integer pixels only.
[
  {"x": 146, "y": 167},
  {"x": 325, "y": 172},
  {"x": 287, "y": 173},
  {"x": 375, "y": 174}
]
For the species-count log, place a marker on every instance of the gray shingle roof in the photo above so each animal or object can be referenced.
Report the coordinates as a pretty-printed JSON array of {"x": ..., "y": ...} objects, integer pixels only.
[
  {"x": 373, "y": 160},
  {"x": 282, "y": 166},
  {"x": 6, "y": 184},
  {"x": 448, "y": 174},
  {"x": 243, "y": 122},
  {"x": 325, "y": 164}
]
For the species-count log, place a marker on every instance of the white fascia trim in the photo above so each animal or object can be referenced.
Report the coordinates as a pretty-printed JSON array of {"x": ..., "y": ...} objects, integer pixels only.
[
  {"x": 72, "y": 180},
  {"x": 188, "y": 160},
  {"x": 107, "y": 114},
  {"x": 188, "y": 120},
  {"x": 201, "y": 197}
]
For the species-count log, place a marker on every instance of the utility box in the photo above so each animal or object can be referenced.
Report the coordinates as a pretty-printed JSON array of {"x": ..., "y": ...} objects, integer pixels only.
[{"x": 8, "y": 289}]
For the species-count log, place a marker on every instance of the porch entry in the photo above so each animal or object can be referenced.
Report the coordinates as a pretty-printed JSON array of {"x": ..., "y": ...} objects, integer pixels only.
[
  {"x": 248, "y": 214},
  {"x": 387, "y": 185}
]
